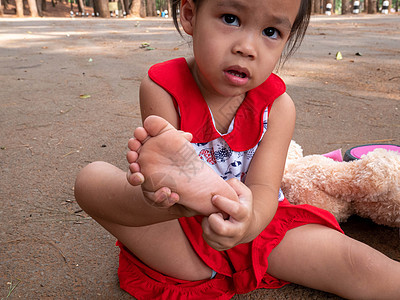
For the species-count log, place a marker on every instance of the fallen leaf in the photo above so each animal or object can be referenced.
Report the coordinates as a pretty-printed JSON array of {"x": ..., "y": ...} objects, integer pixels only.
[
  {"x": 84, "y": 96},
  {"x": 339, "y": 56}
]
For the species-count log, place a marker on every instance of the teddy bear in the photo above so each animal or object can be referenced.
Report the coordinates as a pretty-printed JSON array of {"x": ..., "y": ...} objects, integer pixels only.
[{"x": 368, "y": 187}]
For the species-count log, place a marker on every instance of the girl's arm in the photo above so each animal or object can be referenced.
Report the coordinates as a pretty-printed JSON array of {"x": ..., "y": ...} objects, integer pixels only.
[
  {"x": 266, "y": 170},
  {"x": 258, "y": 197},
  {"x": 154, "y": 100}
]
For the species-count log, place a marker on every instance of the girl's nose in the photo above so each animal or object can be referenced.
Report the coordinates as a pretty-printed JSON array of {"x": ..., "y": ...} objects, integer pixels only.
[{"x": 245, "y": 46}]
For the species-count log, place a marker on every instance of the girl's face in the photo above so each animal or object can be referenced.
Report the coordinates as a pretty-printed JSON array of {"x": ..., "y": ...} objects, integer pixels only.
[{"x": 237, "y": 43}]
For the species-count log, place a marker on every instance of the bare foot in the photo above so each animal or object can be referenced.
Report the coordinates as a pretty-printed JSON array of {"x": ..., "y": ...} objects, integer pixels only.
[{"x": 164, "y": 162}]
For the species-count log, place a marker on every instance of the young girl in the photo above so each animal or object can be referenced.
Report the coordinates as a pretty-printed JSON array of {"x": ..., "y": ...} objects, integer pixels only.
[{"x": 209, "y": 228}]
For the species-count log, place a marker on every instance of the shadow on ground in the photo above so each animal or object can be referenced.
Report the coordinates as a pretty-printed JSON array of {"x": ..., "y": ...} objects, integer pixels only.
[{"x": 49, "y": 131}]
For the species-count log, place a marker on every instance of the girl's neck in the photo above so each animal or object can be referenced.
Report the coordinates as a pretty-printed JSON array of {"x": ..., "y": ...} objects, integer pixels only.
[{"x": 223, "y": 108}]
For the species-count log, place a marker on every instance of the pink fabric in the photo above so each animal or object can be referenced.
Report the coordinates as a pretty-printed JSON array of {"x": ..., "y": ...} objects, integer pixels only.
[
  {"x": 357, "y": 152},
  {"x": 336, "y": 155}
]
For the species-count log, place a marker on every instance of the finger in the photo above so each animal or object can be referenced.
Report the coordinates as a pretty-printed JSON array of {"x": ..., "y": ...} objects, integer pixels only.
[
  {"x": 239, "y": 187},
  {"x": 237, "y": 210},
  {"x": 158, "y": 198},
  {"x": 221, "y": 227},
  {"x": 216, "y": 228},
  {"x": 165, "y": 198},
  {"x": 216, "y": 241},
  {"x": 173, "y": 198}
]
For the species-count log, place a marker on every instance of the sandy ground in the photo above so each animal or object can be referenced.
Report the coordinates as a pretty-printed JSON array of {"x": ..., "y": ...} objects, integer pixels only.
[{"x": 49, "y": 248}]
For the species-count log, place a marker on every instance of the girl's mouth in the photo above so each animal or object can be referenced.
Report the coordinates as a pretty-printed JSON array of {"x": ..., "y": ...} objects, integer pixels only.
[{"x": 237, "y": 73}]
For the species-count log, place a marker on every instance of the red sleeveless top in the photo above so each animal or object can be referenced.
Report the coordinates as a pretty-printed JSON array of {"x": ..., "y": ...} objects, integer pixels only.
[{"x": 175, "y": 77}]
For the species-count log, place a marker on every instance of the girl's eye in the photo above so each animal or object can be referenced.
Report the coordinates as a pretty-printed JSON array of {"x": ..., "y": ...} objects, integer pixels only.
[
  {"x": 271, "y": 32},
  {"x": 230, "y": 20}
]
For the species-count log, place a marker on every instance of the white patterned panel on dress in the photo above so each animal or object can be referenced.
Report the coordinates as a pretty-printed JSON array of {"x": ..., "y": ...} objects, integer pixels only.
[{"x": 226, "y": 162}]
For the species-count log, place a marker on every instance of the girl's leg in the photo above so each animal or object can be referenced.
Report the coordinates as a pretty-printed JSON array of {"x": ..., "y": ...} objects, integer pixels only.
[
  {"x": 163, "y": 247},
  {"x": 322, "y": 258},
  {"x": 104, "y": 193}
]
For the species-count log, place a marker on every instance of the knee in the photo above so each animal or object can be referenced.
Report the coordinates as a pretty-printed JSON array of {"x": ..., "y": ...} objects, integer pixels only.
[
  {"x": 363, "y": 262},
  {"x": 85, "y": 183}
]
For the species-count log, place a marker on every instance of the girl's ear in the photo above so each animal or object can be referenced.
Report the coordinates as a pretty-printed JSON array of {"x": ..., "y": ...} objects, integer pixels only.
[{"x": 187, "y": 13}]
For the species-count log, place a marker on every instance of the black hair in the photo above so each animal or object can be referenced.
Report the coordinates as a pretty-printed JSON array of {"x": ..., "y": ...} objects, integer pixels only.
[{"x": 297, "y": 32}]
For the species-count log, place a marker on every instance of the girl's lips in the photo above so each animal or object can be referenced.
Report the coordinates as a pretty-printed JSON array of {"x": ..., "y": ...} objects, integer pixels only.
[{"x": 237, "y": 75}]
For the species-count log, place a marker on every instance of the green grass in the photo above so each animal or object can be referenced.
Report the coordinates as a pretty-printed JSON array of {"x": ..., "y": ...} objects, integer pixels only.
[{"x": 11, "y": 288}]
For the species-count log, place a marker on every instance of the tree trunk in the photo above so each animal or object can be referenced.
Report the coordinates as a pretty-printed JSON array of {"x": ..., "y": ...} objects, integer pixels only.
[
  {"x": 135, "y": 8},
  {"x": 126, "y": 5},
  {"x": 81, "y": 7},
  {"x": 372, "y": 6},
  {"x": 346, "y": 7},
  {"x": 143, "y": 8},
  {"x": 95, "y": 9},
  {"x": 19, "y": 6},
  {"x": 151, "y": 8},
  {"x": 317, "y": 6},
  {"x": 1, "y": 8},
  {"x": 39, "y": 5},
  {"x": 33, "y": 8},
  {"x": 102, "y": 8},
  {"x": 123, "y": 10}
]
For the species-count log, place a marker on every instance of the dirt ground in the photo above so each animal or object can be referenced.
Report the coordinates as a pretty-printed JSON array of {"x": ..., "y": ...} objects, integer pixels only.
[{"x": 69, "y": 96}]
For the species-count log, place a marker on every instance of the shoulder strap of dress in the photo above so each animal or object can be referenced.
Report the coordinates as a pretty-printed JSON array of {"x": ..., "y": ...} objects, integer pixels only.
[{"x": 175, "y": 77}]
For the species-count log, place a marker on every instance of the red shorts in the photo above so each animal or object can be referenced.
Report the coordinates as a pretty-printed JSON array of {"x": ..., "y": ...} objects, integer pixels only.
[{"x": 239, "y": 270}]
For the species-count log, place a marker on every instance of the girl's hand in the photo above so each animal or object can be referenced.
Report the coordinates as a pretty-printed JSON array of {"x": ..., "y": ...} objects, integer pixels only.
[
  {"x": 223, "y": 234},
  {"x": 164, "y": 198}
]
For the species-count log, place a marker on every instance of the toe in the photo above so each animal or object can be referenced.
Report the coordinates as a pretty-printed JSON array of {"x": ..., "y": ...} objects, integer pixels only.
[
  {"x": 135, "y": 178},
  {"x": 134, "y": 167},
  {"x": 155, "y": 125},
  {"x": 132, "y": 156},
  {"x": 134, "y": 144},
  {"x": 140, "y": 134}
]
